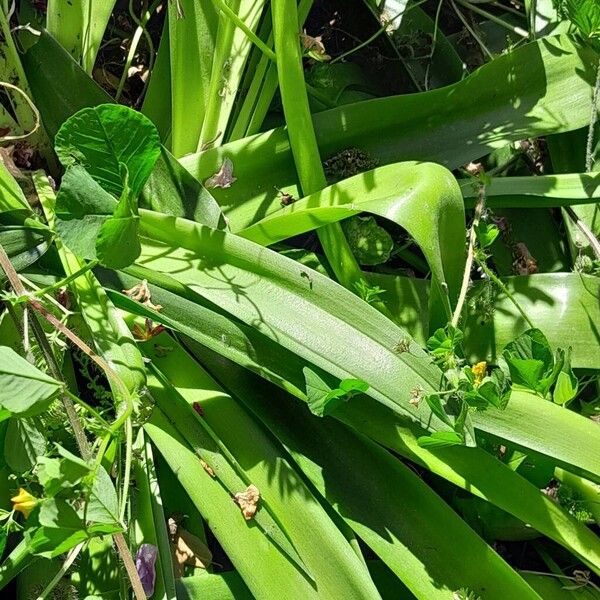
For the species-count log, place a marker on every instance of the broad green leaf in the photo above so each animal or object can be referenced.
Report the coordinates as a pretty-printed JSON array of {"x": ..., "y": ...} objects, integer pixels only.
[
  {"x": 191, "y": 25},
  {"x": 148, "y": 515},
  {"x": 54, "y": 512},
  {"x": 243, "y": 543},
  {"x": 82, "y": 208},
  {"x": 12, "y": 198},
  {"x": 482, "y": 474},
  {"x": 79, "y": 27},
  {"x": 23, "y": 444},
  {"x": 424, "y": 199},
  {"x": 118, "y": 244},
  {"x": 242, "y": 279},
  {"x": 103, "y": 137},
  {"x": 530, "y": 361},
  {"x": 171, "y": 189},
  {"x": 294, "y": 506},
  {"x": 103, "y": 505},
  {"x": 24, "y": 390},
  {"x": 536, "y": 191},
  {"x": 59, "y": 85},
  {"x": 540, "y": 88},
  {"x": 57, "y": 474},
  {"x": 440, "y": 439},
  {"x": 384, "y": 502},
  {"x": 24, "y": 244}
]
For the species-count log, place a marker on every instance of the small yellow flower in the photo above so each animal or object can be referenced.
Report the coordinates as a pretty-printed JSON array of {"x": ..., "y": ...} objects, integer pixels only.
[
  {"x": 479, "y": 371},
  {"x": 24, "y": 502}
]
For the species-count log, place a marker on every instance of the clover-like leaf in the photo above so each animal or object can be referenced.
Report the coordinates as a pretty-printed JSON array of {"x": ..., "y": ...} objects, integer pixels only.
[{"x": 102, "y": 138}]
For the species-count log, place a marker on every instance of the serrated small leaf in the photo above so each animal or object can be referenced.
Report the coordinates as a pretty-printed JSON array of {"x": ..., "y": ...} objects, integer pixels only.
[
  {"x": 322, "y": 398},
  {"x": 530, "y": 361},
  {"x": 486, "y": 234},
  {"x": 103, "y": 505}
]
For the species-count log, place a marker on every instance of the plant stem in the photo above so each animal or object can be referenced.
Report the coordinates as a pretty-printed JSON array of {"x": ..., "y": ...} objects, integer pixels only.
[
  {"x": 53, "y": 366},
  {"x": 127, "y": 469},
  {"x": 470, "y": 255},
  {"x": 589, "y": 151},
  {"x": 64, "y": 282},
  {"x": 125, "y": 555},
  {"x": 80, "y": 438},
  {"x": 71, "y": 557},
  {"x": 89, "y": 409},
  {"x": 496, "y": 280},
  {"x": 493, "y": 18},
  {"x": 222, "y": 6},
  {"x": 135, "y": 40},
  {"x": 377, "y": 34},
  {"x": 471, "y": 31},
  {"x": 587, "y": 232}
]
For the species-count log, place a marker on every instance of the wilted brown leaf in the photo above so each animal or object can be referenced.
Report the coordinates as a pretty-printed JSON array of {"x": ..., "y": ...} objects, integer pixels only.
[
  {"x": 207, "y": 468},
  {"x": 141, "y": 293},
  {"x": 187, "y": 549},
  {"x": 248, "y": 501},
  {"x": 223, "y": 178}
]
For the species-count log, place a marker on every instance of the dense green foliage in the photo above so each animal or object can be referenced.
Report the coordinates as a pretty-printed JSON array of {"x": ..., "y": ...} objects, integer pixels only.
[{"x": 300, "y": 299}]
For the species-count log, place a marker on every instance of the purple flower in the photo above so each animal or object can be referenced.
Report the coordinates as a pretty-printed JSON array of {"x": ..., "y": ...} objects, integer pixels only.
[{"x": 145, "y": 561}]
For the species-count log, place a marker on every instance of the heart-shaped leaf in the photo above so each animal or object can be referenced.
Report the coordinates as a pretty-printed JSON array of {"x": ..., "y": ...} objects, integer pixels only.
[{"x": 103, "y": 137}]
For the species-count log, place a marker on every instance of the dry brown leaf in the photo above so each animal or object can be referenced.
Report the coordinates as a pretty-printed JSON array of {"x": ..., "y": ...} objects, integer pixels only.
[
  {"x": 187, "y": 549},
  {"x": 248, "y": 501},
  {"x": 141, "y": 293},
  {"x": 314, "y": 45},
  {"x": 207, "y": 468},
  {"x": 525, "y": 263},
  {"x": 474, "y": 168},
  {"x": 223, "y": 178}
]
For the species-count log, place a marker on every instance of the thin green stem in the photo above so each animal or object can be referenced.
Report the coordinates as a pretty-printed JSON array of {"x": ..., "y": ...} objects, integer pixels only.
[
  {"x": 589, "y": 151},
  {"x": 471, "y": 30},
  {"x": 497, "y": 281},
  {"x": 64, "y": 282},
  {"x": 585, "y": 230},
  {"x": 44, "y": 345},
  {"x": 135, "y": 40},
  {"x": 567, "y": 577},
  {"x": 484, "y": 13},
  {"x": 249, "y": 33},
  {"x": 127, "y": 469},
  {"x": 464, "y": 288},
  {"x": 377, "y": 34},
  {"x": 89, "y": 409},
  {"x": 71, "y": 558}
]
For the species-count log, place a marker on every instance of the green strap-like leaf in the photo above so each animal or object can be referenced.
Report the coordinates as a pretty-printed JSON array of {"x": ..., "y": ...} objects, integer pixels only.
[
  {"x": 421, "y": 197},
  {"x": 537, "y": 89}
]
